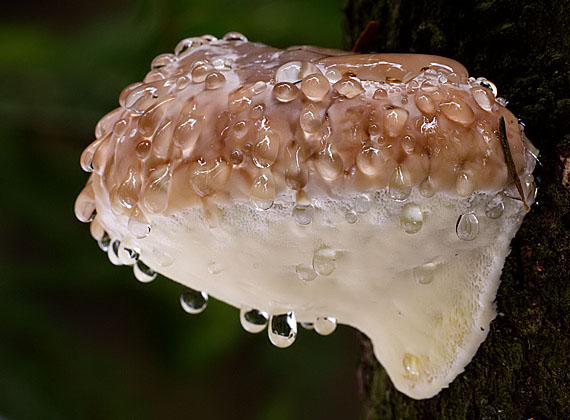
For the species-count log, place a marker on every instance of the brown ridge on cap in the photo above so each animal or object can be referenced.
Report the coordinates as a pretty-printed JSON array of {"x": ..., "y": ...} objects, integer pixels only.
[{"x": 209, "y": 124}]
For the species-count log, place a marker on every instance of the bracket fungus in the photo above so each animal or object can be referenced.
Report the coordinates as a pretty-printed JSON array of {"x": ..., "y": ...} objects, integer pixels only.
[{"x": 317, "y": 186}]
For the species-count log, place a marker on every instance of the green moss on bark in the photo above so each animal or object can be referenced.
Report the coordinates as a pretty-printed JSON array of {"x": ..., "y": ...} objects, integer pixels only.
[{"x": 522, "y": 370}]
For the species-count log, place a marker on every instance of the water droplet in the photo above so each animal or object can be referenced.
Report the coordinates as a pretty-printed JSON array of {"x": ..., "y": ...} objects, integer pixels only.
[
  {"x": 325, "y": 325},
  {"x": 370, "y": 160},
  {"x": 424, "y": 274},
  {"x": 142, "y": 149},
  {"x": 128, "y": 192},
  {"x": 138, "y": 224},
  {"x": 266, "y": 149},
  {"x": 85, "y": 205},
  {"x": 315, "y": 86},
  {"x": 143, "y": 272},
  {"x": 362, "y": 204},
  {"x": 113, "y": 253},
  {"x": 427, "y": 188},
  {"x": 234, "y": 36},
  {"x": 127, "y": 255},
  {"x": 183, "y": 82},
  {"x": 328, "y": 162},
  {"x": 324, "y": 261},
  {"x": 188, "y": 129},
  {"x": 349, "y": 87},
  {"x": 411, "y": 366},
  {"x": 380, "y": 94},
  {"x": 200, "y": 70},
  {"x": 214, "y": 268},
  {"x": 307, "y": 325},
  {"x": 207, "y": 177},
  {"x": 104, "y": 242},
  {"x": 257, "y": 112},
  {"x": 162, "y": 60},
  {"x": 236, "y": 157},
  {"x": 351, "y": 217},
  {"x": 155, "y": 194},
  {"x": 467, "y": 227},
  {"x": 162, "y": 258},
  {"x": 96, "y": 229},
  {"x": 399, "y": 186},
  {"x": 295, "y": 71},
  {"x": 303, "y": 214},
  {"x": 120, "y": 127},
  {"x": 484, "y": 98},
  {"x": 305, "y": 272},
  {"x": 282, "y": 329},
  {"x": 142, "y": 98},
  {"x": 411, "y": 218},
  {"x": 151, "y": 118},
  {"x": 263, "y": 191},
  {"x": 193, "y": 301},
  {"x": 425, "y": 104},
  {"x": 488, "y": 85},
  {"x": 464, "y": 184},
  {"x": 458, "y": 111},
  {"x": 252, "y": 320},
  {"x": 495, "y": 207},
  {"x": 296, "y": 171},
  {"x": 310, "y": 118},
  {"x": 214, "y": 80},
  {"x": 240, "y": 99},
  {"x": 408, "y": 144},
  {"x": 258, "y": 87},
  {"x": 395, "y": 120},
  {"x": 285, "y": 92},
  {"x": 162, "y": 137}
]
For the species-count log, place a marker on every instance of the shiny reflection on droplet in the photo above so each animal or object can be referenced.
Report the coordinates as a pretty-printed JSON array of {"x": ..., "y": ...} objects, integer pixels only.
[
  {"x": 303, "y": 214},
  {"x": 411, "y": 218},
  {"x": 138, "y": 224},
  {"x": 324, "y": 261},
  {"x": 325, "y": 325},
  {"x": 127, "y": 255},
  {"x": 305, "y": 272},
  {"x": 282, "y": 329},
  {"x": 113, "y": 253},
  {"x": 495, "y": 207},
  {"x": 467, "y": 227},
  {"x": 252, "y": 320},
  {"x": 143, "y": 272},
  {"x": 193, "y": 301},
  {"x": 104, "y": 242}
]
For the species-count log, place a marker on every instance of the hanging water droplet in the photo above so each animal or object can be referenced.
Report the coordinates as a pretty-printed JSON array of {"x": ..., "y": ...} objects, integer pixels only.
[
  {"x": 85, "y": 205},
  {"x": 193, "y": 301},
  {"x": 303, "y": 214},
  {"x": 411, "y": 366},
  {"x": 362, "y": 204},
  {"x": 324, "y": 261},
  {"x": 307, "y": 325},
  {"x": 143, "y": 272},
  {"x": 495, "y": 207},
  {"x": 315, "y": 86},
  {"x": 427, "y": 188},
  {"x": 351, "y": 217},
  {"x": 325, "y": 325},
  {"x": 113, "y": 253},
  {"x": 399, "y": 186},
  {"x": 282, "y": 329},
  {"x": 411, "y": 218},
  {"x": 155, "y": 194},
  {"x": 305, "y": 272},
  {"x": 214, "y": 268},
  {"x": 252, "y": 320},
  {"x": 295, "y": 71},
  {"x": 467, "y": 227},
  {"x": 263, "y": 191},
  {"x": 104, "y": 242},
  {"x": 424, "y": 274},
  {"x": 127, "y": 255},
  {"x": 138, "y": 224}
]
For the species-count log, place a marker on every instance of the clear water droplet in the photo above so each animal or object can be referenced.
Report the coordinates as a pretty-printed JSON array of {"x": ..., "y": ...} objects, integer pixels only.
[
  {"x": 162, "y": 258},
  {"x": 324, "y": 261},
  {"x": 214, "y": 268},
  {"x": 305, "y": 272},
  {"x": 282, "y": 329},
  {"x": 193, "y": 301},
  {"x": 424, "y": 274},
  {"x": 399, "y": 186},
  {"x": 252, "y": 320},
  {"x": 104, "y": 242},
  {"x": 138, "y": 224},
  {"x": 411, "y": 366},
  {"x": 263, "y": 191},
  {"x": 303, "y": 214},
  {"x": 143, "y": 272},
  {"x": 467, "y": 227},
  {"x": 351, "y": 217},
  {"x": 427, "y": 188},
  {"x": 325, "y": 325},
  {"x": 113, "y": 253},
  {"x": 495, "y": 207},
  {"x": 362, "y": 204},
  {"x": 411, "y": 218},
  {"x": 307, "y": 325}
]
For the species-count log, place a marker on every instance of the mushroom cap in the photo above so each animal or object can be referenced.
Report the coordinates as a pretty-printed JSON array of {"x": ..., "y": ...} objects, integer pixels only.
[{"x": 318, "y": 186}]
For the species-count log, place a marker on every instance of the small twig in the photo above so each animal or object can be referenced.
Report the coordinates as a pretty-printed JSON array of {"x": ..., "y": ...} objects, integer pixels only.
[
  {"x": 509, "y": 160},
  {"x": 364, "y": 41}
]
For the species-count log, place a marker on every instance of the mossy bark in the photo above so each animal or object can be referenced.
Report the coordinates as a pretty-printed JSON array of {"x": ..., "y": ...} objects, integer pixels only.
[{"x": 522, "y": 370}]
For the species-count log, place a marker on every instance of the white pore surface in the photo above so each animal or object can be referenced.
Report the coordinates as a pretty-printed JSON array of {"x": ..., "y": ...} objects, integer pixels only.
[{"x": 423, "y": 334}]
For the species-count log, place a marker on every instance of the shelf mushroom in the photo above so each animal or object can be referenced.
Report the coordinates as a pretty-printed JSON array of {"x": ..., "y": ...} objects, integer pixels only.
[{"x": 316, "y": 186}]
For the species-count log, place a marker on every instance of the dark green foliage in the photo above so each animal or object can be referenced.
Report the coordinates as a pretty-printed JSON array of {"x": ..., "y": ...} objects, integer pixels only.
[{"x": 522, "y": 370}]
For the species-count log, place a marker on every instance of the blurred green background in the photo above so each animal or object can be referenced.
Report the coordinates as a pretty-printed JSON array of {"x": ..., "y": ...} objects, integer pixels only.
[{"x": 80, "y": 338}]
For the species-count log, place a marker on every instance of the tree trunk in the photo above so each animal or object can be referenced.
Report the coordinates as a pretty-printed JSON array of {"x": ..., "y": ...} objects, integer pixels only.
[{"x": 522, "y": 370}]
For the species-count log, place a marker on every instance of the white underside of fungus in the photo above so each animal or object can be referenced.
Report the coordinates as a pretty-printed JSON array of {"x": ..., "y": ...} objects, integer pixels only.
[{"x": 311, "y": 186}]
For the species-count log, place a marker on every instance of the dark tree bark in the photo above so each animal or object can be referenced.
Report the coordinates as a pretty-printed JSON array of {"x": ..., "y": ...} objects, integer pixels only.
[{"x": 522, "y": 370}]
